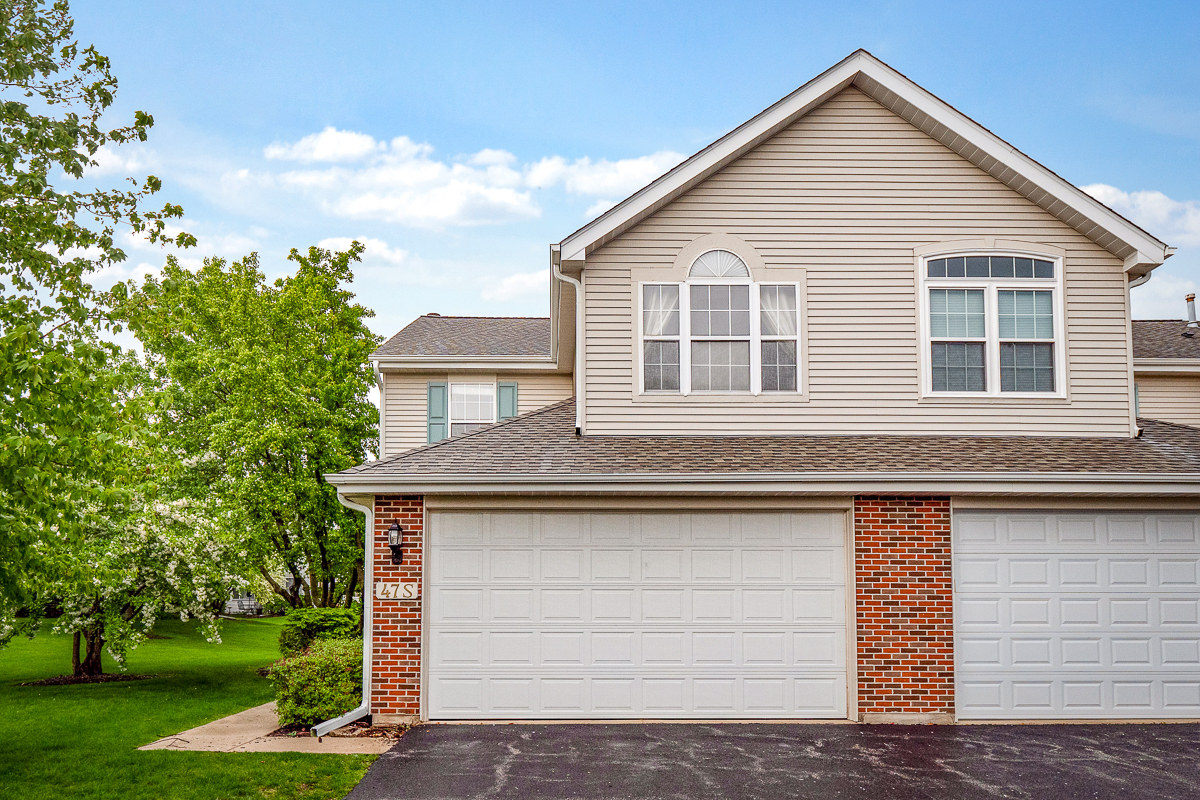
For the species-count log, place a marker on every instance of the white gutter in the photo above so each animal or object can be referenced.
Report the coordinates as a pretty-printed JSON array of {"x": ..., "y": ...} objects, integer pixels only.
[
  {"x": 1166, "y": 366},
  {"x": 364, "y": 708},
  {"x": 556, "y": 266},
  {"x": 462, "y": 362},
  {"x": 791, "y": 484}
]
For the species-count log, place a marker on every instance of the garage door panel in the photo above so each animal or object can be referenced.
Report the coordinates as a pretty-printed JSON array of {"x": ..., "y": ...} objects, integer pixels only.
[
  {"x": 589, "y": 651},
  {"x": 1077, "y": 615},
  {"x": 1112, "y": 573},
  {"x": 609, "y": 615},
  {"x": 975, "y": 532},
  {"x": 1067, "y": 652},
  {"x": 1105, "y": 613},
  {"x": 617, "y": 697}
]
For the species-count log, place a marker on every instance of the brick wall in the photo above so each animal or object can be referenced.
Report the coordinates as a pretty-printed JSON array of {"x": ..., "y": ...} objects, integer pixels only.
[
  {"x": 396, "y": 644},
  {"x": 904, "y": 604}
]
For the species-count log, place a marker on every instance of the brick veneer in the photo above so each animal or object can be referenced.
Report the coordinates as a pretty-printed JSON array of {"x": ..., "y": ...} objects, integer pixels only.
[
  {"x": 905, "y": 605},
  {"x": 396, "y": 635}
]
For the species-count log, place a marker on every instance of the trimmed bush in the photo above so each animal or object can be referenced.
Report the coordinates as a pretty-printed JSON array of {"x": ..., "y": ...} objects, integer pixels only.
[
  {"x": 322, "y": 683},
  {"x": 304, "y": 626}
]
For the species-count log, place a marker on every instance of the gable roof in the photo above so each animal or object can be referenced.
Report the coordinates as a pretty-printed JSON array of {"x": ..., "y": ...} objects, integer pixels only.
[
  {"x": 435, "y": 335},
  {"x": 1163, "y": 338},
  {"x": 542, "y": 447},
  {"x": 1141, "y": 251}
]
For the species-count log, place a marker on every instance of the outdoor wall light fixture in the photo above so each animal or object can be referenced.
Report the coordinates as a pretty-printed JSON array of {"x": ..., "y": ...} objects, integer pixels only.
[{"x": 396, "y": 542}]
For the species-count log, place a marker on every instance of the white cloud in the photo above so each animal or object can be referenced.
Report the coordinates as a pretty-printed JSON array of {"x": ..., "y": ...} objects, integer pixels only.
[
  {"x": 128, "y": 160},
  {"x": 597, "y": 208},
  {"x": 375, "y": 249},
  {"x": 401, "y": 182},
  {"x": 603, "y": 177},
  {"x": 1162, "y": 297},
  {"x": 522, "y": 284},
  {"x": 329, "y": 145},
  {"x": 1175, "y": 222}
]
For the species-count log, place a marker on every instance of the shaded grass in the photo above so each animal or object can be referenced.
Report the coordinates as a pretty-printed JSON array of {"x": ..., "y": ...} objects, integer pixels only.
[{"x": 80, "y": 741}]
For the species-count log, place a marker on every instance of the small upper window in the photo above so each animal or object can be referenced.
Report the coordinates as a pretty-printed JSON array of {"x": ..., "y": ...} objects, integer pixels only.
[
  {"x": 472, "y": 406},
  {"x": 719, "y": 264}
]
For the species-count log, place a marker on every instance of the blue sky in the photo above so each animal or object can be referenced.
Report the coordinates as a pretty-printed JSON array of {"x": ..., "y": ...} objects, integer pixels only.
[{"x": 459, "y": 139}]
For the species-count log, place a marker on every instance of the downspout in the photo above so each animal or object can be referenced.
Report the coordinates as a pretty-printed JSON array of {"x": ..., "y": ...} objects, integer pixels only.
[
  {"x": 556, "y": 266},
  {"x": 1134, "y": 430},
  {"x": 364, "y": 708}
]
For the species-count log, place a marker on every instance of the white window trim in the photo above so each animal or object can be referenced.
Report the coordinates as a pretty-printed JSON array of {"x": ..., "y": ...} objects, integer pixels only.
[
  {"x": 684, "y": 338},
  {"x": 451, "y": 421},
  {"x": 992, "y": 321}
]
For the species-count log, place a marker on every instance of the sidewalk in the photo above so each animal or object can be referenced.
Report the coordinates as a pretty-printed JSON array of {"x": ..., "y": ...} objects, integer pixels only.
[{"x": 246, "y": 732}]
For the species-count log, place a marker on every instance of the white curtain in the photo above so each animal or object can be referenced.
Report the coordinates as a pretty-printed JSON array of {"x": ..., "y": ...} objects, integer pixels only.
[
  {"x": 660, "y": 309},
  {"x": 778, "y": 307}
]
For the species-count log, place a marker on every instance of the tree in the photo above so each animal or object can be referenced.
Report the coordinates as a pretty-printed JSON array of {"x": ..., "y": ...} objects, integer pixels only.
[
  {"x": 61, "y": 431},
  {"x": 263, "y": 389}
]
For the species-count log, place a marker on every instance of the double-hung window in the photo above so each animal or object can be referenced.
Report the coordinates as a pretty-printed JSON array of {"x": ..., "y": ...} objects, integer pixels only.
[
  {"x": 719, "y": 332},
  {"x": 472, "y": 405},
  {"x": 993, "y": 325}
]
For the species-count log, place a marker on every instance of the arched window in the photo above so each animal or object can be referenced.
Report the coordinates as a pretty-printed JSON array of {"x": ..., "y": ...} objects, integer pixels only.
[
  {"x": 993, "y": 324},
  {"x": 719, "y": 332},
  {"x": 719, "y": 264}
]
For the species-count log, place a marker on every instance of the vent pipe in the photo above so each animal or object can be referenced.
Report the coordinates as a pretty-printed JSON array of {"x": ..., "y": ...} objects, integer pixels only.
[{"x": 1191, "y": 301}]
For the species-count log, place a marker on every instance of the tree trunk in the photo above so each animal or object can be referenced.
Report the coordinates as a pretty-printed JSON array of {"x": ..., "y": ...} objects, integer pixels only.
[
  {"x": 91, "y": 664},
  {"x": 75, "y": 654}
]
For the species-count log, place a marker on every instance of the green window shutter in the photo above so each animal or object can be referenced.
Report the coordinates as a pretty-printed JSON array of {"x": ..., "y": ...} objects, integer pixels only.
[
  {"x": 439, "y": 425},
  {"x": 506, "y": 401}
]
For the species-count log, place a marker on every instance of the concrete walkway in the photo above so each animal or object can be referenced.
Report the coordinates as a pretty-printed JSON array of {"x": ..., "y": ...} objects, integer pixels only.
[{"x": 246, "y": 732}]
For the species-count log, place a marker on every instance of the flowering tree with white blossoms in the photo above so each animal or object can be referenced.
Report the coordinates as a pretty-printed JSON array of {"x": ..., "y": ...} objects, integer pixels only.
[{"x": 135, "y": 565}]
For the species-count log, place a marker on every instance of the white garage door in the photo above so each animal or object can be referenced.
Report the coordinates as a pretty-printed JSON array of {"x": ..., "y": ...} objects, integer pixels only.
[
  {"x": 1077, "y": 615},
  {"x": 560, "y": 615}
]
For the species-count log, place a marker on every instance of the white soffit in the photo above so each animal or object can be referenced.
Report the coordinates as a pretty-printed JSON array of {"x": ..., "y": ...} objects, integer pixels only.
[{"x": 1141, "y": 251}]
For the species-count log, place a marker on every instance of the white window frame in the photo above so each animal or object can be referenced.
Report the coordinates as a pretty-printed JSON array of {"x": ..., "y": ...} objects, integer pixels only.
[
  {"x": 685, "y": 338},
  {"x": 991, "y": 287},
  {"x": 451, "y": 421}
]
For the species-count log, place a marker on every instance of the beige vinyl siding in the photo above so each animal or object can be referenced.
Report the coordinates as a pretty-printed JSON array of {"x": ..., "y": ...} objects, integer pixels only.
[
  {"x": 403, "y": 403},
  {"x": 846, "y": 194},
  {"x": 1170, "y": 398}
]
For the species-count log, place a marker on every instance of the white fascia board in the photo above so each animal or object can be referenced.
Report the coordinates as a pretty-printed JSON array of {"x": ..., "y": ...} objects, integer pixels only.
[
  {"x": 1166, "y": 366},
  {"x": 871, "y": 75},
  {"x": 1077, "y": 484},
  {"x": 495, "y": 363}
]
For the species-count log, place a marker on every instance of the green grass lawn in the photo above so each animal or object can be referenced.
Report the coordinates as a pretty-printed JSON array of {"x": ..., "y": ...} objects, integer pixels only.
[{"x": 80, "y": 742}]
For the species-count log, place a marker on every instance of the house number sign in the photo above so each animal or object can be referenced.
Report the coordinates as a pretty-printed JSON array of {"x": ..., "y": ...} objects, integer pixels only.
[{"x": 397, "y": 591}]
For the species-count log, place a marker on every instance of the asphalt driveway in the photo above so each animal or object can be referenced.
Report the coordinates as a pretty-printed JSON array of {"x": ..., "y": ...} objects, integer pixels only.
[{"x": 788, "y": 762}]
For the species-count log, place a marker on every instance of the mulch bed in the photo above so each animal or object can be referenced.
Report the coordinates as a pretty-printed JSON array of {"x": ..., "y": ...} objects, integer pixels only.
[
  {"x": 71, "y": 680},
  {"x": 358, "y": 730}
]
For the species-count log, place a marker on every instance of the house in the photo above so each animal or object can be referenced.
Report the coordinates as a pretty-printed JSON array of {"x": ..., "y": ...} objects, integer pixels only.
[{"x": 836, "y": 419}]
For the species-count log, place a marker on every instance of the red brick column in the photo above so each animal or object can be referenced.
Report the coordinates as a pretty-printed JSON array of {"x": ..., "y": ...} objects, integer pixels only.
[
  {"x": 905, "y": 607},
  {"x": 396, "y": 624}
]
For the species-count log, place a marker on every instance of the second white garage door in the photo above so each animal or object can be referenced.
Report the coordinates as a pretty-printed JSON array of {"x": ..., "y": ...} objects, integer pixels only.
[
  {"x": 561, "y": 615},
  {"x": 1077, "y": 615}
]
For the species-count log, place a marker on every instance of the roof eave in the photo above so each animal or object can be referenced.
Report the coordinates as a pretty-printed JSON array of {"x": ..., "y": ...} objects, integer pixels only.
[
  {"x": 1166, "y": 366},
  {"x": 1141, "y": 251},
  {"x": 816, "y": 483},
  {"x": 544, "y": 363}
]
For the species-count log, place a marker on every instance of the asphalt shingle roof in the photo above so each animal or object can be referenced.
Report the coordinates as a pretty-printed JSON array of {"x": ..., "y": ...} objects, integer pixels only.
[
  {"x": 1163, "y": 338},
  {"x": 544, "y": 442},
  {"x": 433, "y": 335}
]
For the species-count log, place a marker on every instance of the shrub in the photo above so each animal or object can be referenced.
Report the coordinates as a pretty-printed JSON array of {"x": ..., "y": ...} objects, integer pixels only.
[
  {"x": 322, "y": 683},
  {"x": 303, "y": 626}
]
